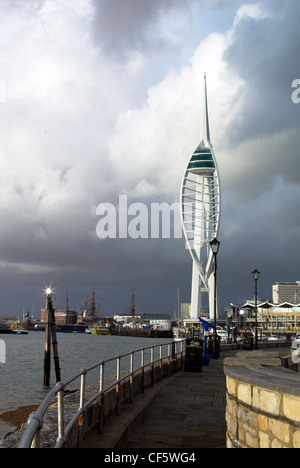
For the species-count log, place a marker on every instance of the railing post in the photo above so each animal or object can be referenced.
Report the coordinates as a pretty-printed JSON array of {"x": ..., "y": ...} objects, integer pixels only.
[
  {"x": 131, "y": 376},
  {"x": 36, "y": 441},
  {"x": 160, "y": 361},
  {"x": 142, "y": 371},
  {"x": 152, "y": 367},
  {"x": 169, "y": 360},
  {"x": 81, "y": 405},
  {"x": 61, "y": 414},
  {"x": 101, "y": 400},
  {"x": 82, "y": 388},
  {"x": 118, "y": 386},
  {"x": 175, "y": 355}
]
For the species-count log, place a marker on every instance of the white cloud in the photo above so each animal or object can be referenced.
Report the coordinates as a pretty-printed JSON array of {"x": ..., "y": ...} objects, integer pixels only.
[
  {"x": 250, "y": 10},
  {"x": 154, "y": 141}
]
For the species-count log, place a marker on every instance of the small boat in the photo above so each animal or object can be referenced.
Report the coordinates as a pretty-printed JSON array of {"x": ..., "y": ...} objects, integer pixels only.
[
  {"x": 98, "y": 329},
  {"x": 179, "y": 335},
  {"x": 18, "y": 328},
  {"x": 101, "y": 329}
]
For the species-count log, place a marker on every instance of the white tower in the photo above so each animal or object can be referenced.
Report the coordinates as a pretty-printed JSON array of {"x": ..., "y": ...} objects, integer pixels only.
[{"x": 200, "y": 214}]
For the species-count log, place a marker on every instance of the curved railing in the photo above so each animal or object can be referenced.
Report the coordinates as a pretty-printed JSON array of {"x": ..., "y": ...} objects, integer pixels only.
[{"x": 32, "y": 435}]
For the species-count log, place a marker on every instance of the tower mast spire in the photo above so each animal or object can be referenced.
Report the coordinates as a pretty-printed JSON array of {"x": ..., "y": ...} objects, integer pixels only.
[{"x": 205, "y": 121}]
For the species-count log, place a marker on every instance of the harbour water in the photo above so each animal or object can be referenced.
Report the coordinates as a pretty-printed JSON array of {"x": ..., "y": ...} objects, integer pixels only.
[{"x": 21, "y": 378}]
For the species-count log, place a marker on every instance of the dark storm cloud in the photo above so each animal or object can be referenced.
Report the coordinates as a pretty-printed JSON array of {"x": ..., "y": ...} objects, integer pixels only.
[
  {"x": 260, "y": 223},
  {"x": 264, "y": 53},
  {"x": 263, "y": 131}
]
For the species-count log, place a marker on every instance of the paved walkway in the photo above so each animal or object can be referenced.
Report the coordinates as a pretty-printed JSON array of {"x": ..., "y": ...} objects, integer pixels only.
[{"x": 187, "y": 411}]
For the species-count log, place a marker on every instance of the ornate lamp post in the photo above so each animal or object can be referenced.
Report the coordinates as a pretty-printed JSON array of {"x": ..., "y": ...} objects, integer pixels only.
[
  {"x": 215, "y": 244},
  {"x": 255, "y": 274}
]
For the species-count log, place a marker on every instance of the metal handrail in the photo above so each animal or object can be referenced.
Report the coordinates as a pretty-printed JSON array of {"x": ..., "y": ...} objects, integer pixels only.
[{"x": 32, "y": 434}]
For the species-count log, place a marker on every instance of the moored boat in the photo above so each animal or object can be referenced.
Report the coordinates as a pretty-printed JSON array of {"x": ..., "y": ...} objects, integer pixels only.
[
  {"x": 18, "y": 328},
  {"x": 99, "y": 328},
  {"x": 179, "y": 335}
]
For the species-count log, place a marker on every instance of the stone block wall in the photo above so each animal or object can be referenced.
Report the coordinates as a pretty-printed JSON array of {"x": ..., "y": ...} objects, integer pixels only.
[{"x": 263, "y": 403}]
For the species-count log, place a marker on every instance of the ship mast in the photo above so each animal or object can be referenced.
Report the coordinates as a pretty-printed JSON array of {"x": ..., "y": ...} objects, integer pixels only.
[
  {"x": 133, "y": 302},
  {"x": 93, "y": 305},
  {"x": 67, "y": 309}
]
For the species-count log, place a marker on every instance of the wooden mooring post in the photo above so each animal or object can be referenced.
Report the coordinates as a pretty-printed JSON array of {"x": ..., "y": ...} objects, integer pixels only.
[{"x": 50, "y": 332}]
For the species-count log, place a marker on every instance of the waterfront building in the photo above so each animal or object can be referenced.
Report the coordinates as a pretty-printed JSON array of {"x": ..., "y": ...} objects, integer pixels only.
[
  {"x": 62, "y": 317},
  {"x": 286, "y": 292},
  {"x": 140, "y": 320},
  {"x": 284, "y": 316},
  {"x": 126, "y": 318},
  {"x": 200, "y": 214},
  {"x": 185, "y": 311},
  {"x": 271, "y": 318}
]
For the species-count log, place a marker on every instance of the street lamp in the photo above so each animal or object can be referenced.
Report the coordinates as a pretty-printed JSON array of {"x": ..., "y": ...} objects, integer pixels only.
[
  {"x": 255, "y": 274},
  {"x": 215, "y": 244}
]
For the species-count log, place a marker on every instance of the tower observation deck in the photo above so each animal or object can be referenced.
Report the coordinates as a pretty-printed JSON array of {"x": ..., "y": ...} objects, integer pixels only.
[{"x": 200, "y": 215}]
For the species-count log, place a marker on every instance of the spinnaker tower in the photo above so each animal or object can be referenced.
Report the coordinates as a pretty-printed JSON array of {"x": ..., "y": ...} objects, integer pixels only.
[{"x": 200, "y": 214}]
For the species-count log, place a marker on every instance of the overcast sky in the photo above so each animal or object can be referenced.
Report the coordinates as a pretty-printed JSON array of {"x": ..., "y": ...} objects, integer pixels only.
[{"x": 101, "y": 98}]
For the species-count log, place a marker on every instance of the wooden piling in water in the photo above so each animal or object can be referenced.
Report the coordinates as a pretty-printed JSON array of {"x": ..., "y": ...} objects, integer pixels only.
[
  {"x": 47, "y": 359},
  {"x": 50, "y": 331}
]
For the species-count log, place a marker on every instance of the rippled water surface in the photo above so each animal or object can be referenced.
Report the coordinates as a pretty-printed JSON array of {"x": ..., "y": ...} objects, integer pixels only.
[{"x": 21, "y": 378}]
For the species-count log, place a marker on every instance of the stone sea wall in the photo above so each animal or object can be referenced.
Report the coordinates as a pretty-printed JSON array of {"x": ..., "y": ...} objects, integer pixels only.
[{"x": 263, "y": 402}]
